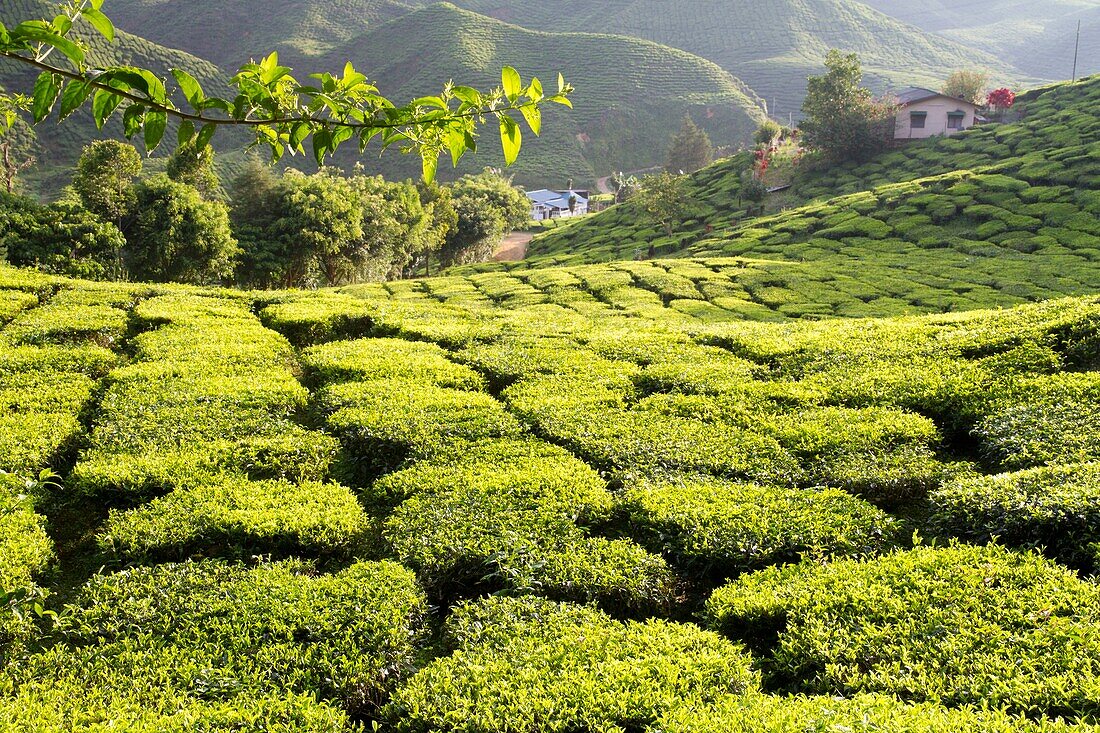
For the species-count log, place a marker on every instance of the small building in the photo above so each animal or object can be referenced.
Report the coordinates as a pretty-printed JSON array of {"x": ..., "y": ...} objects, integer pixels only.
[
  {"x": 924, "y": 113},
  {"x": 552, "y": 204}
]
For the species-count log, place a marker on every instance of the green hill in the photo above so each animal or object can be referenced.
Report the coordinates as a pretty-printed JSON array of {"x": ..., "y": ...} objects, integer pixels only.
[
  {"x": 631, "y": 94},
  {"x": 229, "y": 33},
  {"x": 57, "y": 147},
  {"x": 1053, "y": 147},
  {"x": 1037, "y": 38},
  {"x": 771, "y": 46}
]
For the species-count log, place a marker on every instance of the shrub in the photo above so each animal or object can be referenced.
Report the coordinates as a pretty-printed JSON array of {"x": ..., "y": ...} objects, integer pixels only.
[
  {"x": 382, "y": 422},
  {"x": 722, "y": 528},
  {"x": 1056, "y": 509},
  {"x": 529, "y": 664},
  {"x": 217, "y": 632},
  {"x": 240, "y": 518},
  {"x": 381, "y": 358},
  {"x": 315, "y": 318},
  {"x": 754, "y": 713},
  {"x": 958, "y": 625}
]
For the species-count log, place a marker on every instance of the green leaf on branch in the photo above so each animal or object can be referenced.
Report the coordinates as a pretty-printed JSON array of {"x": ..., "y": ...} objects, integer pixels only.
[
  {"x": 46, "y": 89},
  {"x": 511, "y": 138},
  {"x": 36, "y": 31},
  {"x": 533, "y": 115},
  {"x": 100, "y": 22},
  {"x": 156, "y": 122},
  {"x": 430, "y": 164},
  {"x": 103, "y": 106},
  {"x": 512, "y": 83},
  {"x": 203, "y": 138},
  {"x": 186, "y": 133},
  {"x": 190, "y": 88},
  {"x": 74, "y": 96}
]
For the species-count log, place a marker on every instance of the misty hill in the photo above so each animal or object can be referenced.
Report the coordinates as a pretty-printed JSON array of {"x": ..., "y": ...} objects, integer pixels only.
[
  {"x": 229, "y": 33},
  {"x": 771, "y": 46},
  {"x": 630, "y": 98},
  {"x": 57, "y": 147},
  {"x": 1036, "y": 37}
]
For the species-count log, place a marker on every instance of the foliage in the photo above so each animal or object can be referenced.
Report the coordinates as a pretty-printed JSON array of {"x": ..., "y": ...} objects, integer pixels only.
[
  {"x": 842, "y": 120},
  {"x": 663, "y": 199},
  {"x": 62, "y": 238},
  {"x": 487, "y": 208},
  {"x": 1001, "y": 98},
  {"x": 690, "y": 149},
  {"x": 194, "y": 167},
  {"x": 523, "y": 664},
  {"x": 176, "y": 236},
  {"x": 1050, "y": 508},
  {"x": 974, "y": 626},
  {"x": 968, "y": 84},
  {"x": 768, "y": 132},
  {"x": 282, "y": 113},
  {"x": 104, "y": 177}
]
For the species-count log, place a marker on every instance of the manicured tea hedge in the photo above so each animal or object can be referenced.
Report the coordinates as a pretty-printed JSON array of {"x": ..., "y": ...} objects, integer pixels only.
[
  {"x": 722, "y": 528},
  {"x": 236, "y": 516},
  {"x": 384, "y": 358},
  {"x": 314, "y": 318},
  {"x": 176, "y": 643},
  {"x": 511, "y": 514},
  {"x": 211, "y": 390},
  {"x": 863, "y": 713},
  {"x": 1054, "y": 508},
  {"x": 958, "y": 625},
  {"x": 529, "y": 664}
]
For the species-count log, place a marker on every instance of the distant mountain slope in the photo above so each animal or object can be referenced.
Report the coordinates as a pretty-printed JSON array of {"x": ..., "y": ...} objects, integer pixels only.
[
  {"x": 1036, "y": 37},
  {"x": 631, "y": 94},
  {"x": 772, "y": 46},
  {"x": 1052, "y": 152},
  {"x": 229, "y": 32},
  {"x": 58, "y": 146}
]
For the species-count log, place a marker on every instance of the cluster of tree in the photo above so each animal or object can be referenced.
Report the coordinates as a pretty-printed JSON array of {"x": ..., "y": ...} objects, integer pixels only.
[{"x": 272, "y": 230}]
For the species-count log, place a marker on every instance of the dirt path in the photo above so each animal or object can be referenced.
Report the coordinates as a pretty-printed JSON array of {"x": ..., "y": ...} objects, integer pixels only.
[{"x": 513, "y": 248}]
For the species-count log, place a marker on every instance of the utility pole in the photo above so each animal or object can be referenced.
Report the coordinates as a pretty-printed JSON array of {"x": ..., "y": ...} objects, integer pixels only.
[{"x": 1076, "y": 49}]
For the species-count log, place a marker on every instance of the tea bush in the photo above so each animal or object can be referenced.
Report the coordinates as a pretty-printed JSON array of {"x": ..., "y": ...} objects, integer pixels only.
[
  {"x": 174, "y": 639},
  {"x": 722, "y": 528},
  {"x": 314, "y": 318},
  {"x": 864, "y": 713},
  {"x": 958, "y": 625},
  {"x": 239, "y": 517},
  {"x": 1054, "y": 508},
  {"x": 529, "y": 664},
  {"x": 383, "y": 358}
]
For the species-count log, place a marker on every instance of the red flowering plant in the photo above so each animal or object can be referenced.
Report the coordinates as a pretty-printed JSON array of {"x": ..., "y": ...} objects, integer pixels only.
[{"x": 1001, "y": 98}]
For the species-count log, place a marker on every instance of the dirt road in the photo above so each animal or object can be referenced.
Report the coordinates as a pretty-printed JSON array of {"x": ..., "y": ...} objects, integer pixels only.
[{"x": 513, "y": 248}]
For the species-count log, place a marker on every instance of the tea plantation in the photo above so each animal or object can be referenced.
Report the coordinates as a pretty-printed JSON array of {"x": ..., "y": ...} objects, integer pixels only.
[
  {"x": 643, "y": 496},
  {"x": 956, "y": 194}
]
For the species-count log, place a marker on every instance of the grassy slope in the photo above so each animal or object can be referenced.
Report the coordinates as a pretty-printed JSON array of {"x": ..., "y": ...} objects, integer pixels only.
[
  {"x": 1037, "y": 38},
  {"x": 630, "y": 95},
  {"x": 1058, "y": 122},
  {"x": 772, "y": 46}
]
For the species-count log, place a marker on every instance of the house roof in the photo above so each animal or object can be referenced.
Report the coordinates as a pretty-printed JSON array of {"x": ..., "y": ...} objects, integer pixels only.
[
  {"x": 913, "y": 95},
  {"x": 555, "y": 199}
]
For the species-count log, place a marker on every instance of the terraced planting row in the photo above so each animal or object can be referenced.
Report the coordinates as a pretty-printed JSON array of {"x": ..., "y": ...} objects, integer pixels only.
[{"x": 465, "y": 505}]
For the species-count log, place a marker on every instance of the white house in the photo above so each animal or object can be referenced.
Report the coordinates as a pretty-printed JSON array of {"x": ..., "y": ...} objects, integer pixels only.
[
  {"x": 550, "y": 204},
  {"x": 924, "y": 113}
]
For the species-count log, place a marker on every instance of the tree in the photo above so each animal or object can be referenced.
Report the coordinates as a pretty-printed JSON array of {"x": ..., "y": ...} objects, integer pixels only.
[
  {"x": 439, "y": 201},
  {"x": 104, "y": 179},
  {"x": 663, "y": 198},
  {"x": 624, "y": 186},
  {"x": 768, "y": 132},
  {"x": 690, "y": 149},
  {"x": 478, "y": 230},
  {"x": 194, "y": 166},
  {"x": 176, "y": 236},
  {"x": 254, "y": 207},
  {"x": 843, "y": 121},
  {"x": 968, "y": 84},
  {"x": 497, "y": 191},
  {"x": 282, "y": 112},
  {"x": 62, "y": 238}
]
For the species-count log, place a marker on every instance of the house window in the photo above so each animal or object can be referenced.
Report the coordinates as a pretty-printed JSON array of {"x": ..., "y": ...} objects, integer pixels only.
[
  {"x": 917, "y": 120},
  {"x": 955, "y": 120}
]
